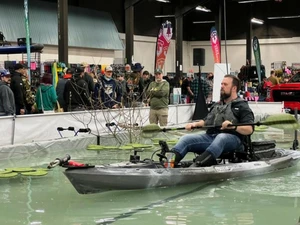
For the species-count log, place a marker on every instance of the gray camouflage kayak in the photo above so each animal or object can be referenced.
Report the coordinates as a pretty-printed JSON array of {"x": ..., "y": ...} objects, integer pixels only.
[{"x": 145, "y": 174}]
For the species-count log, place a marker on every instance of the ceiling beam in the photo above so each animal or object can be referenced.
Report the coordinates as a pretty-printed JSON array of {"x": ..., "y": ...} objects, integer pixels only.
[
  {"x": 129, "y": 3},
  {"x": 186, "y": 6}
]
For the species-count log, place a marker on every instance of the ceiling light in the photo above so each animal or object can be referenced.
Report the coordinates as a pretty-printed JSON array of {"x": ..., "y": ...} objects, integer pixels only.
[
  {"x": 258, "y": 21},
  {"x": 208, "y": 21},
  {"x": 163, "y": 16},
  {"x": 253, "y": 1},
  {"x": 164, "y": 1},
  {"x": 283, "y": 17},
  {"x": 204, "y": 9}
]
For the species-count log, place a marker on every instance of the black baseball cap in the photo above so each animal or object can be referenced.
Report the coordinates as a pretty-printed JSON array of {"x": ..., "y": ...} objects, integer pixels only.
[
  {"x": 20, "y": 66},
  {"x": 78, "y": 70}
]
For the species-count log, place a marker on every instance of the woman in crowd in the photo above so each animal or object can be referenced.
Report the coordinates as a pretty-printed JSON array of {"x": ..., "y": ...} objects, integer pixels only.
[{"x": 46, "y": 97}]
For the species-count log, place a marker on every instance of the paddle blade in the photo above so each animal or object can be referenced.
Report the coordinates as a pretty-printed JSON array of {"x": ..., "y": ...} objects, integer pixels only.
[
  {"x": 151, "y": 128},
  {"x": 261, "y": 128},
  {"x": 283, "y": 121},
  {"x": 149, "y": 135}
]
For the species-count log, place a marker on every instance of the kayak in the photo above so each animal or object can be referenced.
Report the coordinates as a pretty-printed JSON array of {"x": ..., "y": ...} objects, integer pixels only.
[
  {"x": 20, "y": 49},
  {"x": 147, "y": 173}
]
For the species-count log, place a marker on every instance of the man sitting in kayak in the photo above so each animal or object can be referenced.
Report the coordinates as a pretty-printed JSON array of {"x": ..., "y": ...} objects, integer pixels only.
[{"x": 222, "y": 137}]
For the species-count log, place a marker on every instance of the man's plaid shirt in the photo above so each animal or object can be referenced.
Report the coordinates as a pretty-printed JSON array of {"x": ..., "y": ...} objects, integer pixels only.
[{"x": 205, "y": 87}]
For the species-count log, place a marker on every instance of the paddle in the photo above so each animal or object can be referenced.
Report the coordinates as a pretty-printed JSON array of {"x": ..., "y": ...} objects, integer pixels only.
[{"x": 280, "y": 121}]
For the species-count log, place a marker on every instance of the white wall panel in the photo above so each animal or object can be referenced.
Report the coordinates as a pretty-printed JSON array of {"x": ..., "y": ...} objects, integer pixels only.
[
  {"x": 40, "y": 127},
  {"x": 144, "y": 53}
]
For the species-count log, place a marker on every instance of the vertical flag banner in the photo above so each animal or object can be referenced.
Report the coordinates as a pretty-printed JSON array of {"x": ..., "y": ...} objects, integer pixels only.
[
  {"x": 162, "y": 44},
  {"x": 256, "y": 50},
  {"x": 215, "y": 44},
  {"x": 27, "y": 37}
]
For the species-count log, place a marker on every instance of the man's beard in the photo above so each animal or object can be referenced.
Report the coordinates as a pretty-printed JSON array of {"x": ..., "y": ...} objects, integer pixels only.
[{"x": 225, "y": 96}]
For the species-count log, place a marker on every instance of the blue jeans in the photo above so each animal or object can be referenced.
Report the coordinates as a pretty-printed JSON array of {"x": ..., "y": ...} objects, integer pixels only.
[{"x": 214, "y": 143}]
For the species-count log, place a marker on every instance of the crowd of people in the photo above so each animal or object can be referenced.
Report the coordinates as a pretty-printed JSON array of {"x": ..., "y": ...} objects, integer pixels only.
[
  {"x": 16, "y": 94},
  {"x": 80, "y": 89},
  {"x": 271, "y": 81}
]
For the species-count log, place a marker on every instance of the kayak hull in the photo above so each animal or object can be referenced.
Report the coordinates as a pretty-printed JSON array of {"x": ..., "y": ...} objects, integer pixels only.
[
  {"x": 129, "y": 176},
  {"x": 21, "y": 49}
]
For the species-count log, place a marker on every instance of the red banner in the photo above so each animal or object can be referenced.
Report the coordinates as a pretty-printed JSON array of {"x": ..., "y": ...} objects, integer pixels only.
[
  {"x": 162, "y": 45},
  {"x": 215, "y": 44}
]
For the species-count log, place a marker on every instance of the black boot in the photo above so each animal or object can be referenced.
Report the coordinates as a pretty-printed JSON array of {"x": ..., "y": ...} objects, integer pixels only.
[
  {"x": 178, "y": 157},
  {"x": 205, "y": 159}
]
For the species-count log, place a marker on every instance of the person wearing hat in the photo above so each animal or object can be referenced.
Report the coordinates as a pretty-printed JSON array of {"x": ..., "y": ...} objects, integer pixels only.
[
  {"x": 137, "y": 67},
  {"x": 29, "y": 96},
  {"x": 76, "y": 92},
  {"x": 107, "y": 93},
  {"x": 136, "y": 97},
  {"x": 69, "y": 73},
  {"x": 158, "y": 98},
  {"x": 7, "y": 100},
  {"x": 18, "y": 87}
]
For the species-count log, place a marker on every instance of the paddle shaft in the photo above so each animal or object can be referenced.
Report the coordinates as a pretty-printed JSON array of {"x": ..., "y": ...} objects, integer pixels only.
[
  {"x": 230, "y": 125},
  {"x": 234, "y": 125},
  {"x": 266, "y": 123},
  {"x": 251, "y": 124},
  {"x": 273, "y": 120}
]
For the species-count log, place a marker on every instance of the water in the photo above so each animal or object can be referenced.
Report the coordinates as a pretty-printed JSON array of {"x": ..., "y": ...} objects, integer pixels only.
[{"x": 50, "y": 200}]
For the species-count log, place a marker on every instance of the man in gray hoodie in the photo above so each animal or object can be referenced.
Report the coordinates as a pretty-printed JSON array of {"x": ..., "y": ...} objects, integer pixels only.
[{"x": 7, "y": 100}]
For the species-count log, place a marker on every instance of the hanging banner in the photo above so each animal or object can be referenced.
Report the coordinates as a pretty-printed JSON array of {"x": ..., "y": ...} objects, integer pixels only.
[
  {"x": 215, "y": 44},
  {"x": 256, "y": 50},
  {"x": 27, "y": 37},
  {"x": 162, "y": 44}
]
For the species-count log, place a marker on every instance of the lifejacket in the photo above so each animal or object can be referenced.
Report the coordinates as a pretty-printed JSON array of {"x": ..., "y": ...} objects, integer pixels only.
[{"x": 220, "y": 112}]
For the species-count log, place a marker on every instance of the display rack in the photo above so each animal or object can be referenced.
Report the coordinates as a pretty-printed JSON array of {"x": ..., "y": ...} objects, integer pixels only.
[{"x": 35, "y": 67}]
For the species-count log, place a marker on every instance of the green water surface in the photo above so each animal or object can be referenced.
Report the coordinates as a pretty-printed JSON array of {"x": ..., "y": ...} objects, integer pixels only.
[{"x": 272, "y": 199}]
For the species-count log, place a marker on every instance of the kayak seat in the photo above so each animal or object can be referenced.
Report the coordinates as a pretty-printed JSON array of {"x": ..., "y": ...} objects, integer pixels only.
[{"x": 238, "y": 155}]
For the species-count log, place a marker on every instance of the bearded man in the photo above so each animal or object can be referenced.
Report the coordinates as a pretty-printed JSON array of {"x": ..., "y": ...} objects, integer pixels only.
[{"x": 222, "y": 136}]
